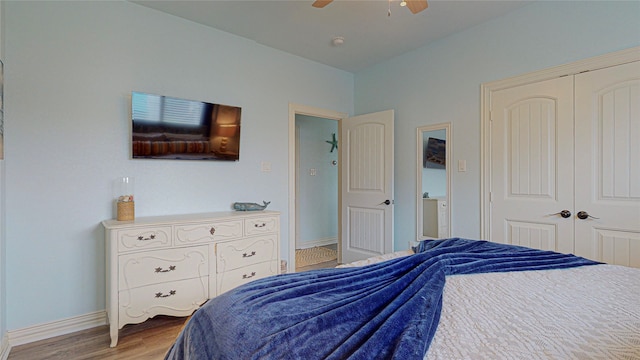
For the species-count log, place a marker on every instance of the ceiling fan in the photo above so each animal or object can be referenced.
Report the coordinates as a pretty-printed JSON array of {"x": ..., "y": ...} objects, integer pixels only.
[{"x": 414, "y": 5}]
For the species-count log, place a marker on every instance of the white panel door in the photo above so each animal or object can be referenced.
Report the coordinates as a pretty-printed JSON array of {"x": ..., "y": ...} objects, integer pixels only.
[
  {"x": 608, "y": 165},
  {"x": 367, "y": 186},
  {"x": 532, "y": 165}
]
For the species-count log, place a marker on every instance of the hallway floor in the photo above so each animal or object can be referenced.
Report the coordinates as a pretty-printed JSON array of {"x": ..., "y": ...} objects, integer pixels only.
[{"x": 324, "y": 265}]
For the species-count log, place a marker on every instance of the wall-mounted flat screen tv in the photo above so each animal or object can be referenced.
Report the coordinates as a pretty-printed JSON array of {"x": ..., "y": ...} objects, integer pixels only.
[
  {"x": 435, "y": 154},
  {"x": 171, "y": 128}
]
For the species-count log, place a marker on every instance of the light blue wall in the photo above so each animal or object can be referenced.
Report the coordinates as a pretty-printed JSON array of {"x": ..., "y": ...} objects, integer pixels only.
[
  {"x": 70, "y": 69},
  {"x": 441, "y": 83},
  {"x": 318, "y": 194}
]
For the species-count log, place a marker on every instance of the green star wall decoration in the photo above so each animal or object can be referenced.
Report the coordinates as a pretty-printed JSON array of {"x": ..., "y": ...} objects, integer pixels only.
[{"x": 333, "y": 142}]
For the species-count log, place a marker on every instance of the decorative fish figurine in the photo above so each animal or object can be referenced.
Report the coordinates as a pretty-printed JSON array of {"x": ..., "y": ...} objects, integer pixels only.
[{"x": 242, "y": 206}]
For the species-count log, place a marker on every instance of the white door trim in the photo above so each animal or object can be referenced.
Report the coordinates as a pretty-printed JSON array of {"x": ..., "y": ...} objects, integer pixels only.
[
  {"x": 310, "y": 111},
  {"x": 486, "y": 89}
]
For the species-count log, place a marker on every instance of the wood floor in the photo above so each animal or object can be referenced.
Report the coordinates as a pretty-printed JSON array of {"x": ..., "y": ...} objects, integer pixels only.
[{"x": 149, "y": 340}]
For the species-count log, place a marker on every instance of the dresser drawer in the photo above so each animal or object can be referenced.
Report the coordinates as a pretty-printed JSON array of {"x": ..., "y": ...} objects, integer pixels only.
[
  {"x": 144, "y": 238},
  {"x": 233, "y": 278},
  {"x": 261, "y": 225},
  {"x": 176, "y": 298},
  {"x": 207, "y": 232},
  {"x": 154, "y": 267},
  {"x": 238, "y": 253}
]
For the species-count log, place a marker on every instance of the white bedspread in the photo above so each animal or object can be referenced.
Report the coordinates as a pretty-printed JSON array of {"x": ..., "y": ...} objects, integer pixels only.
[{"x": 590, "y": 312}]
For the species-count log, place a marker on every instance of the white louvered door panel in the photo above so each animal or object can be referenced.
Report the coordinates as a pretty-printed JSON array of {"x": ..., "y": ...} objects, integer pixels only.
[
  {"x": 532, "y": 165},
  {"x": 608, "y": 164},
  {"x": 367, "y": 190}
]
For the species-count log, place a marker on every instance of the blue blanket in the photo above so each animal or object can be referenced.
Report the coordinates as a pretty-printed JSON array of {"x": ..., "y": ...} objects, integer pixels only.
[{"x": 388, "y": 310}]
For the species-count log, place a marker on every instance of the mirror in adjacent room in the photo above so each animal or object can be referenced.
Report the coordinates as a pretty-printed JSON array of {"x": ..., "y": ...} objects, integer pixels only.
[{"x": 433, "y": 181}]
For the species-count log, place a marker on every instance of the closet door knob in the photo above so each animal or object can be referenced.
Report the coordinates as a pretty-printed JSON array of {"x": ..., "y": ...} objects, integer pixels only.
[
  {"x": 583, "y": 215},
  {"x": 564, "y": 213}
]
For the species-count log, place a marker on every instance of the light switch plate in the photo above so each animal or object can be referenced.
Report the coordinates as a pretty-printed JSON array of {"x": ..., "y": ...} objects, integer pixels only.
[{"x": 462, "y": 165}]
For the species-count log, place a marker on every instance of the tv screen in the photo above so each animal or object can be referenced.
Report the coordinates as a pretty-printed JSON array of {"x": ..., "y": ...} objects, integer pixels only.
[
  {"x": 435, "y": 154},
  {"x": 170, "y": 128}
]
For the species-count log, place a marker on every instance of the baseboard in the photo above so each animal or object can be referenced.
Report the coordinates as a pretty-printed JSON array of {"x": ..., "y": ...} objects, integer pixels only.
[
  {"x": 318, "y": 242},
  {"x": 56, "y": 328},
  {"x": 5, "y": 348}
]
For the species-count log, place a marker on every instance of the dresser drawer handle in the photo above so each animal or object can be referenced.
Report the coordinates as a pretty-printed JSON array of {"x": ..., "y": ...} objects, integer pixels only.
[
  {"x": 161, "y": 295},
  {"x": 245, "y": 255},
  {"x": 260, "y": 225},
  {"x": 212, "y": 230},
  {"x": 151, "y": 237},
  {"x": 161, "y": 270},
  {"x": 245, "y": 276}
]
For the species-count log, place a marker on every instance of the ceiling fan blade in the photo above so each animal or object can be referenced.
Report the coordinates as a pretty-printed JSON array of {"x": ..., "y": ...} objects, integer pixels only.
[
  {"x": 416, "y": 5},
  {"x": 321, "y": 3}
]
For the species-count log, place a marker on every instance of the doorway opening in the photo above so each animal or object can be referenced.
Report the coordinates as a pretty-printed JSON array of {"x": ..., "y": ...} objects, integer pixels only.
[
  {"x": 314, "y": 188},
  {"x": 316, "y": 185}
]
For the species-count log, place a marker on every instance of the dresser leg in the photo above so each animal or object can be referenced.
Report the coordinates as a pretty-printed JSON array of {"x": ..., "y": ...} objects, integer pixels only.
[{"x": 114, "y": 334}]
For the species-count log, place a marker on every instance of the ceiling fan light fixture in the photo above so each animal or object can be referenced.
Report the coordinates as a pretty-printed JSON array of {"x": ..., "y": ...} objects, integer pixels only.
[{"x": 415, "y": 6}]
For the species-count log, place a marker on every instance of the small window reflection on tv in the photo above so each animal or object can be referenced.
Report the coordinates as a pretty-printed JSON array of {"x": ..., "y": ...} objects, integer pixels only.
[
  {"x": 171, "y": 128},
  {"x": 435, "y": 154}
]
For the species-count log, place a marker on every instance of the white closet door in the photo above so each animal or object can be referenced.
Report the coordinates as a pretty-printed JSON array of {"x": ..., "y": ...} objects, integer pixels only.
[
  {"x": 532, "y": 165},
  {"x": 607, "y": 168}
]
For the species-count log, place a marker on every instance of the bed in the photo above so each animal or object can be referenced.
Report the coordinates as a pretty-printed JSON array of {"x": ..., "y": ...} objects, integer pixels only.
[{"x": 451, "y": 299}]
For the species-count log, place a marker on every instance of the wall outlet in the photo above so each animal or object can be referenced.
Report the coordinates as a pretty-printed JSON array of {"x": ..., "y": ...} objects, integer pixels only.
[
  {"x": 313, "y": 172},
  {"x": 265, "y": 166}
]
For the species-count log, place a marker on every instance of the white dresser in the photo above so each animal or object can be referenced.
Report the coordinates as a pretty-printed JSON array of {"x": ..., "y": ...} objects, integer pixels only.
[
  {"x": 170, "y": 265},
  {"x": 434, "y": 218}
]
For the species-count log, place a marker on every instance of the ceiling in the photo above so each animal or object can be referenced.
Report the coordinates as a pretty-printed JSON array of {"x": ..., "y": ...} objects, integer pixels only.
[{"x": 370, "y": 35}]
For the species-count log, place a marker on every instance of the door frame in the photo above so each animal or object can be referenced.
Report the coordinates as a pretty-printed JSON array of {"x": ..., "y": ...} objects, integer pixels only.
[
  {"x": 486, "y": 90},
  {"x": 298, "y": 109}
]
